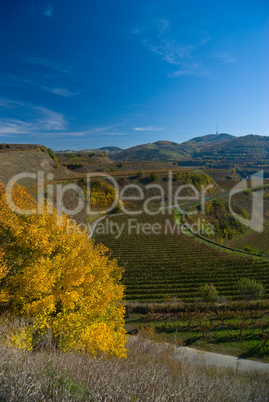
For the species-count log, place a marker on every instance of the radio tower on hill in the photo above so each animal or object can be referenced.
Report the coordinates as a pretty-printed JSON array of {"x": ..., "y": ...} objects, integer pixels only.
[{"x": 217, "y": 132}]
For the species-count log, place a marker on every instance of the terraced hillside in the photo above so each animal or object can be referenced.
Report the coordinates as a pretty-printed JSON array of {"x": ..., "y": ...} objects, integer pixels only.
[
  {"x": 165, "y": 265},
  {"x": 257, "y": 242}
]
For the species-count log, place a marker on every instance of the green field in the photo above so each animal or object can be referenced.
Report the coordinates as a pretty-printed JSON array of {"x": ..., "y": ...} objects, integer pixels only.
[
  {"x": 159, "y": 266},
  {"x": 236, "y": 328}
]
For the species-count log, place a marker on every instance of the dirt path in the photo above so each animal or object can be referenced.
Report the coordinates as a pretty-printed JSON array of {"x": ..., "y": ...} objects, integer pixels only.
[
  {"x": 208, "y": 359},
  {"x": 219, "y": 360}
]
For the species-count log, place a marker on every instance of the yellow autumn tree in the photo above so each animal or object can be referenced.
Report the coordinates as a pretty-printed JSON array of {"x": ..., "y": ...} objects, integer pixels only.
[
  {"x": 3, "y": 272},
  {"x": 60, "y": 280},
  {"x": 102, "y": 194}
]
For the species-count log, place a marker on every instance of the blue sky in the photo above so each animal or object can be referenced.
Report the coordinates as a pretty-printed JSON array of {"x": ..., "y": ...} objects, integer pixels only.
[{"x": 86, "y": 74}]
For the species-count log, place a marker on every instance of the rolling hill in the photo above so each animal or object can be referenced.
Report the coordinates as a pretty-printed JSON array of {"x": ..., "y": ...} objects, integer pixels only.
[
  {"x": 108, "y": 150},
  {"x": 221, "y": 148}
]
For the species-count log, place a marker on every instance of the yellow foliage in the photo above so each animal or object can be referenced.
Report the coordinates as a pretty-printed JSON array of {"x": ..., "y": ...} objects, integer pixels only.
[
  {"x": 23, "y": 339},
  {"x": 3, "y": 272},
  {"x": 61, "y": 281},
  {"x": 208, "y": 207},
  {"x": 102, "y": 195}
]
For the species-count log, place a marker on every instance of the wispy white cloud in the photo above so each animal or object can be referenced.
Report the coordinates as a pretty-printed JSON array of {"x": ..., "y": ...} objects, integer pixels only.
[
  {"x": 49, "y": 120},
  {"x": 48, "y": 63},
  {"x": 158, "y": 37},
  {"x": 155, "y": 27},
  {"x": 91, "y": 133},
  {"x": 136, "y": 105},
  {"x": 205, "y": 40},
  {"x": 40, "y": 121},
  {"x": 114, "y": 133},
  {"x": 65, "y": 134},
  {"x": 9, "y": 104},
  {"x": 48, "y": 11},
  {"x": 170, "y": 51},
  {"x": 98, "y": 129},
  {"x": 49, "y": 76},
  {"x": 12, "y": 127},
  {"x": 195, "y": 69},
  {"x": 60, "y": 91},
  {"x": 226, "y": 58},
  {"x": 162, "y": 25},
  {"x": 148, "y": 128},
  {"x": 107, "y": 130},
  {"x": 31, "y": 119},
  {"x": 38, "y": 81}
]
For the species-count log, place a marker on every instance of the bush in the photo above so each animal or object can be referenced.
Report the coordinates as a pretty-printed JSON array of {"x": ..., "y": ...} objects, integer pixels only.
[
  {"x": 75, "y": 165},
  {"x": 118, "y": 208},
  {"x": 70, "y": 155},
  {"x": 56, "y": 162},
  {"x": 153, "y": 177},
  {"x": 208, "y": 292},
  {"x": 139, "y": 174},
  {"x": 51, "y": 153},
  {"x": 177, "y": 176},
  {"x": 249, "y": 289},
  {"x": 251, "y": 249}
]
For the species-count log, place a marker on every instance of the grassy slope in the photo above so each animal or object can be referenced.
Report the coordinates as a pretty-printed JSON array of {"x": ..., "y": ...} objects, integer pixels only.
[
  {"x": 149, "y": 373},
  {"x": 33, "y": 161}
]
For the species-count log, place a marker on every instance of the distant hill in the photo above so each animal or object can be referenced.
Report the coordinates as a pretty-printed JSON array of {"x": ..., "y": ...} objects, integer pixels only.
[
  {"x": 212, "y": 148},
  {"x": 210, "y": 139},
  {"x": 80, "y": 161},
  {"x": 108, "y": 150},
  {"x": 111, "y": 150},
  {"x": 158, "y": 151},
  {"x": 167, "y": 150},
  {"x": 248, "y": 149}
]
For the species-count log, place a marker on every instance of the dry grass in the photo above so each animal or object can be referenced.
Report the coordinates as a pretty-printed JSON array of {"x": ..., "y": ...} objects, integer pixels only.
[
  {"x": 31, "y": 161},
  {"x": 150, "y": 373}
]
